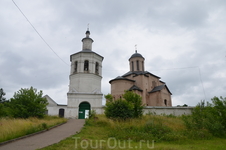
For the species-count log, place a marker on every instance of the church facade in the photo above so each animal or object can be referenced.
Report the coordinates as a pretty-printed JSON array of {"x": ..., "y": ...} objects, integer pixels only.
[
  {"x": 85, "y": 78},
  {"x": 153, "y": 91}
]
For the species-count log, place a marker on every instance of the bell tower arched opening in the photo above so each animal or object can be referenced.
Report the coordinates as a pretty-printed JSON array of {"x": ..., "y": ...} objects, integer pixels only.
[{"x": 86, "y": 65}]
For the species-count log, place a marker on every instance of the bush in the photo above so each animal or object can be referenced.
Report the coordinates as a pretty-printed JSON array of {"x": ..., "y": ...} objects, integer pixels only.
[
  {"x": 207, "y": 116},
  {"x": 128, "y": 107},
  {"x": 119, "y": 109}
]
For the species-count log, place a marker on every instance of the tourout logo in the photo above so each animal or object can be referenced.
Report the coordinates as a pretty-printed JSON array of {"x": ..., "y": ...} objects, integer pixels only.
[{"x": 112, "y": 143}]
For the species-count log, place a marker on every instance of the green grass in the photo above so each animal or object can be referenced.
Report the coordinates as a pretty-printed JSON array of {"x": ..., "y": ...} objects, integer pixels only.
[
  {"x": 14, "y": 128},
  {"x": 168, "y": 133}
]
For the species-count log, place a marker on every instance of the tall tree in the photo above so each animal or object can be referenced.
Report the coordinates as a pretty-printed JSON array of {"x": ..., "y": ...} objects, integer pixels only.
[
  {"x": 28, "y": 103},
  {"x": 2, "y": 94}
]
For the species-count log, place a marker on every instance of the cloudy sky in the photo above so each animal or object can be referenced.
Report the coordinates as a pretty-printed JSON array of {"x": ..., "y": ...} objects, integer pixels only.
[{"x": 183, "y": 42}]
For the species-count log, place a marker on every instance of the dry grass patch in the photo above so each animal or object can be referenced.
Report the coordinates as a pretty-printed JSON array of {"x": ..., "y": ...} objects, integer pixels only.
[{"x": 14, "y": 128}]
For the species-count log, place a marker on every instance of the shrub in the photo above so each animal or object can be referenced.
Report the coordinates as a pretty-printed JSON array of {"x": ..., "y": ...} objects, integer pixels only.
[
  {"x": 208, "y": 116},
  {"x": 128, "y": 107},
  {"x": 119, "y": 109}
]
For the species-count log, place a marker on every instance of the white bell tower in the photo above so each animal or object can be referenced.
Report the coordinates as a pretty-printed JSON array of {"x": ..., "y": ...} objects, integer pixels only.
[{"x": 85, "y": 81}]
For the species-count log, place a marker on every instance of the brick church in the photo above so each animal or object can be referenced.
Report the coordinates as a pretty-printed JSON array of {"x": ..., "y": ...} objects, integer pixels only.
[{"x": 153, "y": 91}]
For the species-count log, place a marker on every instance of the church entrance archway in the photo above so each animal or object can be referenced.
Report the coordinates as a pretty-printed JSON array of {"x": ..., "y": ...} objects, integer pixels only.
[
  {"x": 83, "y": 111},
  {"x": 61, "y": 112}
]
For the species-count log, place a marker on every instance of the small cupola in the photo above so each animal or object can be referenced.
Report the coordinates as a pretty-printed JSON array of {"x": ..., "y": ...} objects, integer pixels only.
[
  {"x": 136, "y": 62},
  {"x": 136, "y": 55},
  {"x": 87, "y": 41}
]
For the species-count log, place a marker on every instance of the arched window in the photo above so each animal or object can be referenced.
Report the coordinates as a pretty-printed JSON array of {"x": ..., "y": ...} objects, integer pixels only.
[
  {"x": 132, "y": 66},
  {"x": 76, "y": 66},
  {"x": 138, "y": 65},
  {"x": 86, "y": 65},
  {"x": 165, "y": 102},
  {"x": 97, "y": 68}
]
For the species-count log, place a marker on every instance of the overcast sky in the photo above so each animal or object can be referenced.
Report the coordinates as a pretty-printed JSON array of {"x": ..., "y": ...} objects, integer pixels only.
[{"x": 183, "y": 42}]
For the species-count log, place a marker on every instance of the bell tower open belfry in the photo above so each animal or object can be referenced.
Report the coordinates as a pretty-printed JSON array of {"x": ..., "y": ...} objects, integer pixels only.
[{"x": 85, "y": 78}]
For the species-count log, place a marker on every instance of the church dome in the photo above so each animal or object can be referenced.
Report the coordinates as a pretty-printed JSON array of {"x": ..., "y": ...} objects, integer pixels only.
[{"x": 136, "y": 55}]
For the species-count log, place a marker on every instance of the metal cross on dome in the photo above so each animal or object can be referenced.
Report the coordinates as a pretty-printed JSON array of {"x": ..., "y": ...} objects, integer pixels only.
[
  {"x": 136, "y": 48},
  {"x": 88, "y": 27}
]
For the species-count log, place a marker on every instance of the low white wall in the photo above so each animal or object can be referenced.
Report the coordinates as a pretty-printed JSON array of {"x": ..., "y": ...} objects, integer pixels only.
[
  {"x": 73, "y": 112},
  {"x": 99, "y": 110},
  {"x": 176, "y": 111},
  {"x": 54, "y": 110}
]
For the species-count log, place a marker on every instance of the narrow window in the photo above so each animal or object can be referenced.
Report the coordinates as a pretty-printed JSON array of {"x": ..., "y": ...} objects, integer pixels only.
[
  {"x": 138, "y": 65},
  {"x": 165, "y": 102},
  {"x": 76, "y": 66},
  {"x": 132, "y": 66},
  {"x": 86, "y": 65},
  {"x": 97, "y": 68},
  {"x": 142, "y": 66}
]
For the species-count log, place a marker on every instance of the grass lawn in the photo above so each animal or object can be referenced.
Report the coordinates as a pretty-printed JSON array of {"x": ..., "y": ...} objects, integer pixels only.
[
  {"x": 14, "y": 128},
  {"x": 150, "y": 132}
]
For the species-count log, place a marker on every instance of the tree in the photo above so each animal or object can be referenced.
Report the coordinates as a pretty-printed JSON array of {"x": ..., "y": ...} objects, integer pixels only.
[
  {"x": 136, "y": 100},
  {"x": 128, "y": 107},
  {"x": 28, "y": 103},
  {"x": 208, "y": 116},
  {"x": 185, "y": 105},
  {"x": 2, "y": 94},
  {"x": 2, "y": 105},
  {"x": 109, "y": 97}
]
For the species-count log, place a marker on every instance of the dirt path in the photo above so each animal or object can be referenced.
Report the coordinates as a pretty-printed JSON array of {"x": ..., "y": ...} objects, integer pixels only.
[{"x": 46, "y": 138}]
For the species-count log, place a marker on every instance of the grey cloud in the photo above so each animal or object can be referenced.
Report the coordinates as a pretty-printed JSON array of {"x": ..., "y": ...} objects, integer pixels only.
[{"x": 26, "y": 61}]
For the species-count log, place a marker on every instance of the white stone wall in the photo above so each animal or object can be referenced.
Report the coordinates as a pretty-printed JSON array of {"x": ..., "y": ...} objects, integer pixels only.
[
  {"x": 85, "y": 83},
  {"x": 176, "y": 111},
  {"x": 74, "y": 99},
  {"x": 72, "y": 112},
  {"x": 54, "y": 110}
]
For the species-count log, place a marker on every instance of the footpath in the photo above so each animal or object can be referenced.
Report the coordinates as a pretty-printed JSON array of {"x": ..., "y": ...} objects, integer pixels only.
[{"x": 46, "y": 138}]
